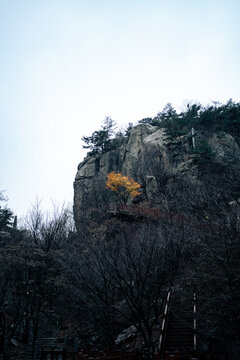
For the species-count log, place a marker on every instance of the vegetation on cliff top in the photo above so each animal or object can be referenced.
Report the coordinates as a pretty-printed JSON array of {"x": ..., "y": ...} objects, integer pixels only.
[
  {"x": 207, "y": 119},
  {"x": 211, "y": 118}
]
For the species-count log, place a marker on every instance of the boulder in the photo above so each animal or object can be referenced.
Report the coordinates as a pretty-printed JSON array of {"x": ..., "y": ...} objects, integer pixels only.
[{"x": 225, "y": 148}]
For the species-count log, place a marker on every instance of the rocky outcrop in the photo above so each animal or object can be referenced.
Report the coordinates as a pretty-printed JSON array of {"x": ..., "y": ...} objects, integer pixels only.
[
  {"x": 139, "y": 157},
  {"x": 225, "y": 148},
  {"x": 151, "y": 157}
]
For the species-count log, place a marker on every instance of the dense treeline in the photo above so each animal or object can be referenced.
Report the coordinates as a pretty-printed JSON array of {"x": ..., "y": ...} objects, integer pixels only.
[
  {"x": 209, "y": 119},
  {"x": 32, "y": 274}
]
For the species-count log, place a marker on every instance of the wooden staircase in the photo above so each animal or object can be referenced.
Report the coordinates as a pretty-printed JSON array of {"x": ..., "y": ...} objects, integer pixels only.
[
  {"x": 180, "y": 339},
  {"x": 44, "y": 343},
  {"x": 26, "y": 352}
]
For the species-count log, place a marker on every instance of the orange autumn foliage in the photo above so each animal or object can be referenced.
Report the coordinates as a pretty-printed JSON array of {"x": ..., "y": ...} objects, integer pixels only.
[{"x": 125, "y": 186}]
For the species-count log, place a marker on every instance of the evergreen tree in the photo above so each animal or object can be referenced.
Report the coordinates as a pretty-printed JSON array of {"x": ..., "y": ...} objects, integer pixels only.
[
  {"x": 6, "y": 215},
  {"x": 100, "y": 140}
]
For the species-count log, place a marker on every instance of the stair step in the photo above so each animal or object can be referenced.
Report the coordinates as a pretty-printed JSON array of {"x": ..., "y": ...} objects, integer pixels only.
[
  {"x": 187, "y": 331},
  {"x": 179, "y": 340},
  {"x": 179, "y": 335},
  {"x": 180, "y": 326},
  {"x": 176, "y": 332},
  {"x": 179, "y": 348},
  {"x": 180, "y": 331},
  {"x": 178, "y": 343}
]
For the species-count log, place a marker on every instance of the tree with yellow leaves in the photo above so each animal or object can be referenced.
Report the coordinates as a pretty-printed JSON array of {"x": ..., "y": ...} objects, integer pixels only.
[{"x": 124, "y": 186}]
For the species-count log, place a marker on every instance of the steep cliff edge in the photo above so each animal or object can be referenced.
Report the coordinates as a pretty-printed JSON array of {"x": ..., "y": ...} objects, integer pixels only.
[{"x": 188, "y": 173}]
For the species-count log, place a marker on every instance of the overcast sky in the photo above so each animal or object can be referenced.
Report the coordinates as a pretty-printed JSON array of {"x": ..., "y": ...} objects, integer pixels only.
[{"x": 66, "y": 64}]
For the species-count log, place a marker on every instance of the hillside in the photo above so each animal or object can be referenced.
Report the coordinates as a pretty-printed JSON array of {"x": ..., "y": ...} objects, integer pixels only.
[{"x": 188, "y": 166}]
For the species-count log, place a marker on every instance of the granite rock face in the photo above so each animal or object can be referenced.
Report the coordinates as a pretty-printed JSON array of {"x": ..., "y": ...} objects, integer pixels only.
[
  {"x": 150, "y": 157},
  {"x": 139, "y": 157},
  {"x": 225, "y": 148}
]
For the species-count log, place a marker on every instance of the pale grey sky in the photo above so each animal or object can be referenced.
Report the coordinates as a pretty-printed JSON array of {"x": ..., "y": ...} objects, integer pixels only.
[{"x": 66, "y": 64}]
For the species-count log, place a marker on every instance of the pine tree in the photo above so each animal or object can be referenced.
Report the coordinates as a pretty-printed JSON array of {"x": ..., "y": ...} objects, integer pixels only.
[{"x": 100, "y": 140}]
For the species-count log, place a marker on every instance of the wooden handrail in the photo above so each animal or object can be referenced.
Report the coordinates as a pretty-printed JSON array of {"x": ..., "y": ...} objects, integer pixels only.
[
  {"x": 163, "y": 327},
  {"x": 194, "y": 322}
]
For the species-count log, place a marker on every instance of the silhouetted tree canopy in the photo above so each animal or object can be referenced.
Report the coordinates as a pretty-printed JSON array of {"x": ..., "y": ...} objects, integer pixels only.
[
  {"x": 6, "y": 215},
  {"x": 100, "y": 140},
  {"x": 211, "y": 118}
]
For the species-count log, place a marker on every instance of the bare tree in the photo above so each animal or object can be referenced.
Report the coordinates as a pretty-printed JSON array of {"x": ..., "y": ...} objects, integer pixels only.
[
  {"x": 124, "y": 281},
  {"x": 49, "y": 231},
  {"x": 217, "y": 272},
  {"x": 32, "y": 275}
]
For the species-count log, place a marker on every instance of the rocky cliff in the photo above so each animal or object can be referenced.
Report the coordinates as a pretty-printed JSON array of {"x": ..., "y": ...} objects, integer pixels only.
[{"x": 189, "y": 173}]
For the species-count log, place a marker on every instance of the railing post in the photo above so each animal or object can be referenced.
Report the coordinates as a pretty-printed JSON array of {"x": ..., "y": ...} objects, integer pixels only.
[
  {"x": 64, "y": 354},
  {"x": 52, "y": 353},
  {"x": 194, "y": 322},
  {"x": 42, "y": 354}
]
